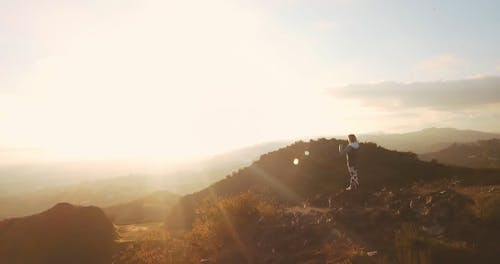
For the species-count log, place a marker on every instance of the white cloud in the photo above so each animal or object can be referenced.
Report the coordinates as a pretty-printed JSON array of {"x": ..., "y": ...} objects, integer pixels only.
[
  {"x": 444, "y": 95},
  {"x": 468, "y": 103}
]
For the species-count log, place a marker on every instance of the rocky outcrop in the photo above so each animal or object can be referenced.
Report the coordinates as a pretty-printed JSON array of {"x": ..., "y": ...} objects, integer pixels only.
[{"x": 62, "y": 234}]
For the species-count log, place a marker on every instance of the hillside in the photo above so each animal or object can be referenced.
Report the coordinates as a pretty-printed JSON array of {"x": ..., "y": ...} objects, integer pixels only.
[
  {"x": 151, "y": 208},
  {"x": 426, "y": 140},
  {"x": 322, "y": 173},
  {"x": 479, "y": 154},
  {"x": 407, "y": 211},
  {"x": 421, "y": 224},
  {"x": 62, "y": 234}
]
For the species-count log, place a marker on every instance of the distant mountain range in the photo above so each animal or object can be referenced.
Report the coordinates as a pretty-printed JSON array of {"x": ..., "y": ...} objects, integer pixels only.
[
  {"x": 102, "y": 193},
  {"x": 426, "y": 140},
  {"x": 187, "y": 177},
  {"x": 38, "y": 195},
  {"x": 479, "y": 154}
]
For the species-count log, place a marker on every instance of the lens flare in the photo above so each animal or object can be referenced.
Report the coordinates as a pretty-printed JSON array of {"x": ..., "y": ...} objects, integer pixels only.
[
  {"x": 296, "y": 161},
  {"x": 306, "y": 152}
]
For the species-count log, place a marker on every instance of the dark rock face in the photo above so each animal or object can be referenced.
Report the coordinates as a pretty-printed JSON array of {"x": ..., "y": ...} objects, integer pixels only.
[{"x": 62, "y": 234}]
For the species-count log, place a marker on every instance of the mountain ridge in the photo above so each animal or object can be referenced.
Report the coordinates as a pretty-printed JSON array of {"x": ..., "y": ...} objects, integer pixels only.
[
  {"x": 427, "y": 140},
  {"x": 321, "y": 172},
  {"x": 478, "y": 154}
]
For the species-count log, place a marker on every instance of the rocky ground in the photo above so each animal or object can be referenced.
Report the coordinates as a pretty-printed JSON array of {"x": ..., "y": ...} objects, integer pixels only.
[
  {"x": 423, "y": 224},
  {"x": 380, "y": 225}
]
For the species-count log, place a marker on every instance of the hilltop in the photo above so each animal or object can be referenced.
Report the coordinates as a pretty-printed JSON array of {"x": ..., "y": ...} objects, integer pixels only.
[
  {"x": 322, "y": 173},
  {"x": 62, "y": 234}
]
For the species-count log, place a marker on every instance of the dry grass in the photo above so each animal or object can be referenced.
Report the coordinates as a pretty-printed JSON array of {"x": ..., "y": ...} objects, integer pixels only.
[{"x": 342, "y": 250}]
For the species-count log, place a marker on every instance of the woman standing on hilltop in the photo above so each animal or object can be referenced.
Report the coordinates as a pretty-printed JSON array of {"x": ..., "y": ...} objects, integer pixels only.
[{"x": 351, "y": 151}]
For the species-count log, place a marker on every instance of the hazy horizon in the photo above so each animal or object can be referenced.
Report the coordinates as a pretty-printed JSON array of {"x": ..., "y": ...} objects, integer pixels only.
[{"x": 180, "y": 80}]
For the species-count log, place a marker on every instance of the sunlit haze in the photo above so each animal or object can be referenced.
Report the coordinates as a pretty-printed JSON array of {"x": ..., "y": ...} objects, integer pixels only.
[{"x": 174, "y": 80}]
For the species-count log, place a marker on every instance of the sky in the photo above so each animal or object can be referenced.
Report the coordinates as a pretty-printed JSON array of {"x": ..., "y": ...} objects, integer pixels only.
[{"x": 175, "y": 80}]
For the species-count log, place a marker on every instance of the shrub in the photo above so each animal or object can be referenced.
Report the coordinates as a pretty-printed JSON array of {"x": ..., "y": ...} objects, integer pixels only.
[
  {"x": 411, "y": 247},
  {"x": 489, "y": 210},
  {"x": 225, "y": 222},
  {"x": 342, "y": 250}
]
